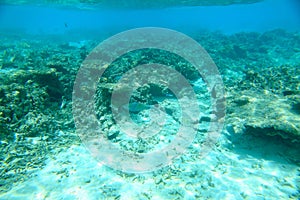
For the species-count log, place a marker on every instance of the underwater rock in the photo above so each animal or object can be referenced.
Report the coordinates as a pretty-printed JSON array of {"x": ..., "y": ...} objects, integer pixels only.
[
  {"x": 263, "y": 113},
  {"x": 28, "y": 104},
  {"x": 35, "y": 91}
]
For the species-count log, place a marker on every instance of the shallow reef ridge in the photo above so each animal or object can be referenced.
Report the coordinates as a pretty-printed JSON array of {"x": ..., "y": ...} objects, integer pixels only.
[
  {"x": 134, "y": 3},
  {"x": 260, "y": 73}
]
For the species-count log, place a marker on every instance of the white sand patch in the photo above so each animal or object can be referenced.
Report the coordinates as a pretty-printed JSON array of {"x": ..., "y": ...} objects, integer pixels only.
[{"x": 237, "y": 173}]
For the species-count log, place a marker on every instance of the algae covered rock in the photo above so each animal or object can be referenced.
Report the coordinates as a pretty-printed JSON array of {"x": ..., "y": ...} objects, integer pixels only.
[
  {"x": 263, "y": 113},
  {"x": 265, "y": 101},
  {"x": 27, "y": 95},
  {"x": 34, "y": 107}
]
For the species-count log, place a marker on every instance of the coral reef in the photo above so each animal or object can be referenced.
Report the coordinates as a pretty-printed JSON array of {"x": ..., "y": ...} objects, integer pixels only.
[
  {"x": 266, "y": 101},
  {"x": 35, "y": 109},
  {"x": 260, "y": 73},
  {"x": 261, "y": 77},
  {"x": 263, "y": 113}
]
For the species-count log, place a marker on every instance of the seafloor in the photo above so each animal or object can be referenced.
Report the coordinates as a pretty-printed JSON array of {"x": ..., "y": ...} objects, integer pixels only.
[{"x": 256, "y": 157}]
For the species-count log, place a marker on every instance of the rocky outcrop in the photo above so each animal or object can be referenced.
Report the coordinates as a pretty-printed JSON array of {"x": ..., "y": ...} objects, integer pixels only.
[{"x": 263, "y": 113}]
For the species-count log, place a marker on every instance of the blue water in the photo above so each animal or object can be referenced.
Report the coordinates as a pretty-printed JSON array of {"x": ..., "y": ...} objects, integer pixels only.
[{"x": 263, "y": 16}]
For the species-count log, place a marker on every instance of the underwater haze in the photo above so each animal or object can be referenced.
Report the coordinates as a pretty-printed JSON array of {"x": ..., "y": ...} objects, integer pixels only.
[
  {"x": 262, "y": 16},
  {"x": 137, "y": 99}
]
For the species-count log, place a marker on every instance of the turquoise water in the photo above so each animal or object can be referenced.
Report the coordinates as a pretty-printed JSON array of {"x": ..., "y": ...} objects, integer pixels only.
[{"x": 143, "y": 100}]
